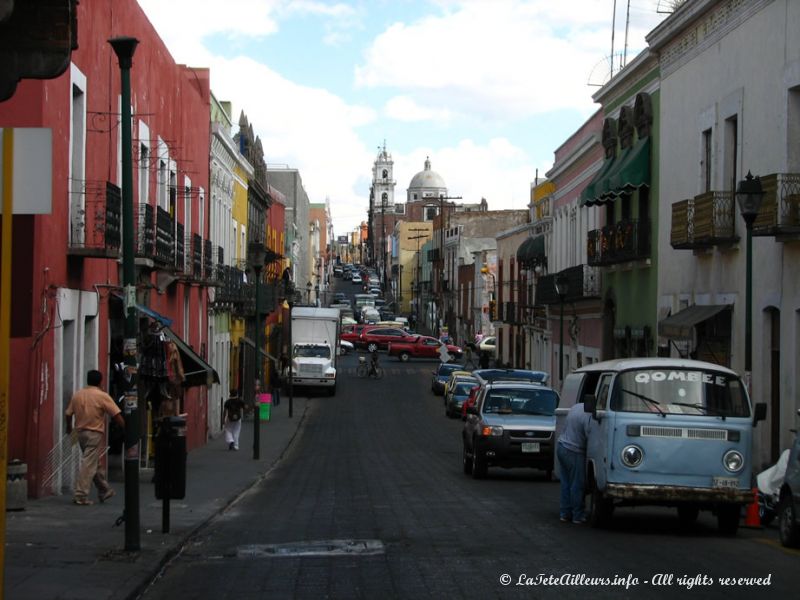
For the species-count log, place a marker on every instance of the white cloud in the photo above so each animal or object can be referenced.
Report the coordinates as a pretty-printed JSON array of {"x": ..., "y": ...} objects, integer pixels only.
[
  {"x": 499, "y": 59},
  {"x": 183, "y": 24},
  {"x": 307, "y": 128},
  {"x": 404, "y": 108},
  {"x": 498, "y": 171}
]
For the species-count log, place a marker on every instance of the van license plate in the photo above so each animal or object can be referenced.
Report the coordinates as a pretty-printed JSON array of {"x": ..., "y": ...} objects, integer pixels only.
[
  {"x": 730, "y": 483},
  {"x": 530, "y": 446}
]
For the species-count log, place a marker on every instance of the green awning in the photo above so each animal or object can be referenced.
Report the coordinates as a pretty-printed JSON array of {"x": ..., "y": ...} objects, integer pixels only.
[
  {"x": 590, "y": 192},
  {"x": 531, "y": 251},
  {"x": 196, "y": 371},
  {"x": 609, "y": 191},
  {"x": 634, "y": 170}
]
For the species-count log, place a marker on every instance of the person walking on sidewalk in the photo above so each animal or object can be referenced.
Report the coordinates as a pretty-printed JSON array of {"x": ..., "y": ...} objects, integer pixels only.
[
  {"x": 571, "y": 454},
  {"x": 234, "y": 410},
  {"x": 89, "y": 407}
]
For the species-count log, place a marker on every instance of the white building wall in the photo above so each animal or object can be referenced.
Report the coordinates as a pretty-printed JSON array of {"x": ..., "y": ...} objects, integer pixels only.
[{"x": 731, "y": 72}]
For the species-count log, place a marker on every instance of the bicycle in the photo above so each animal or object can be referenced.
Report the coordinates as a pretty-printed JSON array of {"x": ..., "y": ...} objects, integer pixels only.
[{"x": 364, "y": 370}]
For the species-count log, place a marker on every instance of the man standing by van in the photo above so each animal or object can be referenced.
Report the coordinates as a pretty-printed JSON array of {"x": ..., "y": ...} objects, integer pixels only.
[{"x": 571, "y": 454}]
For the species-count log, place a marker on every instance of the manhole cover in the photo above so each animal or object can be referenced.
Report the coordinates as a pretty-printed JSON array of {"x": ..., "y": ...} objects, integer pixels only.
[{"x": 317, "y": 548}]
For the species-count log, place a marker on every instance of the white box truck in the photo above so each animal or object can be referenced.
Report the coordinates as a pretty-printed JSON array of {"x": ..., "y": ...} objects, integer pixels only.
[{"x": 315, "y": 347}]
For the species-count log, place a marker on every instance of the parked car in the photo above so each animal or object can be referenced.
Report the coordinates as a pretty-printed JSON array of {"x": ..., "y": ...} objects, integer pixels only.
[
  {"x": 457, "y": 393},
  {"x": 340, "y": 296},
  {"x": 512, "y": 424},
  {"x": 454, "y": 376},
  {"x": 346, "y": 347},
  {"x": 488, "y": 344},
  {"x": 355, "y": 279},
  {"x": 379, "y": 338},
  {"x": 440, "y": 375},
  {"x": 488, "y": 375},
  {"x": 789, "y": 504},
  {"x": 337, "y": 271},
  {"x": 421, "y": 346}
]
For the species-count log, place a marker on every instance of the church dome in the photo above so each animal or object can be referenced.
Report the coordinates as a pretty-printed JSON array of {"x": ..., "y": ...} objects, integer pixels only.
[{"x": 427, "y": 179}]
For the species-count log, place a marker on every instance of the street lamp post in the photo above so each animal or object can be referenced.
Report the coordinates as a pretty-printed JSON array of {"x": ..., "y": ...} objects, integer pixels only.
[
  {"x": 562, "y": 287},
  {"x": 256, "y": 258},
  {"x": 749, "y": 195},
  {"x": 308, "y": 293},
  {"x": 316, "y": 293},
  {"x": 124, "y": 47}
]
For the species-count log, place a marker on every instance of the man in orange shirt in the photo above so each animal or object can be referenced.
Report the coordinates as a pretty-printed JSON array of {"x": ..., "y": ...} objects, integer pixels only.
[{"x": 89, "y": 406}]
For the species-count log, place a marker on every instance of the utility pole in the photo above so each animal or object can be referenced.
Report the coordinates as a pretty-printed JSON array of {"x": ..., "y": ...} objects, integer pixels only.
[
  {"x": 124, "y": 47},
  {"x": 417, "y": 273},
  {"x": 442, "y": 198}
]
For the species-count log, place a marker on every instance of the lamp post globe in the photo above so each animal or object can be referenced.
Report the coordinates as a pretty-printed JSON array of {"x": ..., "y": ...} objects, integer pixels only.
[{"x": 749, "y": 194}]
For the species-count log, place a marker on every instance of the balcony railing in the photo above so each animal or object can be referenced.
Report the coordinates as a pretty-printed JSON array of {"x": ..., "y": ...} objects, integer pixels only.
[
  {"x": 96, "y": 228},
  {"x": 180, "y": 249},
  {"x": 780, "y": 209},
  {"x": 146, "y": 232},
  {"x": 625, "y": 240},
  {"x": 208, "y": 260},
  {"x": 704, "y": 221},
  {"x": 165, "y": 238},
  {"x": 197, "y": 256},
  {"x": 583, "y": 283}
]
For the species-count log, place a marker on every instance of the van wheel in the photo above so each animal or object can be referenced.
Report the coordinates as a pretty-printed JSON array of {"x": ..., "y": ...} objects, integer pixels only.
[
  {"x": 728, "y": 519},
  {"x": 404, "y": 356},
  {"x": 601, "y": 508},
  {"x": 688, "y": 513}
]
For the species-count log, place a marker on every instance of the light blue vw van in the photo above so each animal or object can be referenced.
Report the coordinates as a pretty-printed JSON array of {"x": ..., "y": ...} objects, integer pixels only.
[{"x": 667, "y": 432}]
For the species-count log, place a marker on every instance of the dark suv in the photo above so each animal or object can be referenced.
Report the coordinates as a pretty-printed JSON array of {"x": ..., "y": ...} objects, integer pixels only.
[{"x": 511, "y": 424}]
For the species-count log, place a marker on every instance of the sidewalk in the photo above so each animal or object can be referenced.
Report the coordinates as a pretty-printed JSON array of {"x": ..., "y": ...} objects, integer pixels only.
[{"x": 56, "y": 550}]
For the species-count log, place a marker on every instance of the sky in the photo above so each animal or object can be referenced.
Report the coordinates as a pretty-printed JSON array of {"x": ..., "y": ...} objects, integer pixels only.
[{"x": 488, "y": 89}]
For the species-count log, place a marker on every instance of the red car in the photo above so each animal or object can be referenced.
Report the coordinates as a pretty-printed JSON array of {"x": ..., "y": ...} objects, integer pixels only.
[
  {"x": 352, "y": 332},
  {"x": 380, "y": 337},
  {"x": 470, "y": 401}
]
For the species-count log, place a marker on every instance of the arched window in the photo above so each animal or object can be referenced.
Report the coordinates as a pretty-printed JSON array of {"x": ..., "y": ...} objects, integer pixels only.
[{"x": 385, "y": 174}]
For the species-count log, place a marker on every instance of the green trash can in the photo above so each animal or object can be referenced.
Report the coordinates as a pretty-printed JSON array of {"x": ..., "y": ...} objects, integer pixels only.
[{"x": 264, "y": 406}]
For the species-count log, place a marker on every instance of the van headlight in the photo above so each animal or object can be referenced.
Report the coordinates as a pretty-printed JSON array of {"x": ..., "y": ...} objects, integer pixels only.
[
  {"x": 632, "y": 456},
  {"x": 733, "y": 461}
]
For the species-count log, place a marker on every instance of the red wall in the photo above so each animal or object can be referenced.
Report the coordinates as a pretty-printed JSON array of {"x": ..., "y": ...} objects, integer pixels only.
[{"x": 174, "y": 101}]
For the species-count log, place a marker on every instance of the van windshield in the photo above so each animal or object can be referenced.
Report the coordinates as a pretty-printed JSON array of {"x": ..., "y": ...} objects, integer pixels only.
[{"x": 693, "y": 392}]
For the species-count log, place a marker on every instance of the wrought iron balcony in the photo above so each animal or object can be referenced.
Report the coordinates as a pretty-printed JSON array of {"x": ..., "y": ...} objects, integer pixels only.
[
  {"x": 96, "y": 228},
  {"x": 583, "y": 284},
  {"x": 625, "y": 240},
  {"x": 197, "y": 257},
  {"x": 180, "y": 249},
  {"x": 704, "y": 221},
  {"x": 208, "y": 260},
  {"x": 145, "y": 232},
  {"x": 780, "y": 209},
  {"x": 165, "y": 239}
]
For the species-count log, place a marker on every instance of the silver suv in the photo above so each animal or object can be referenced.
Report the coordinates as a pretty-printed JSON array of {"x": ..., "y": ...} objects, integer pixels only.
[{"x": 512, "y": 424}]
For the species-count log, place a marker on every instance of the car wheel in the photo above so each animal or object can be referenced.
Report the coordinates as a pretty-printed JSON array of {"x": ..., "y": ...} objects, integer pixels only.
[
  {"x": 372, "y": 346},
  {"x": 601, "y": 509},
  {"x": 479, "y": 466},
  {"x": 728, "y": 518},
  {"x": 787, "y": 524},
  {"x": 688, "y": 513},
  {"x": 467, "y": 460},
  {"x": 404, "y": 356}
]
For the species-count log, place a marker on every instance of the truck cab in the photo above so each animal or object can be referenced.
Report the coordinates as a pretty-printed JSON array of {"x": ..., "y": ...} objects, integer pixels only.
[
  {"x": 668, "y": 432},
  {"x": 315, "y": 334}
]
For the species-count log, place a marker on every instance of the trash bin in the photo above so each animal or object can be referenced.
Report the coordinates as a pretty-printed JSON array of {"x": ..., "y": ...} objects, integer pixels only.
[
  {"x": 264, "y": 406},
  {"x": 170, "y": 470},
  {"x": 16, "y": 485}
]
